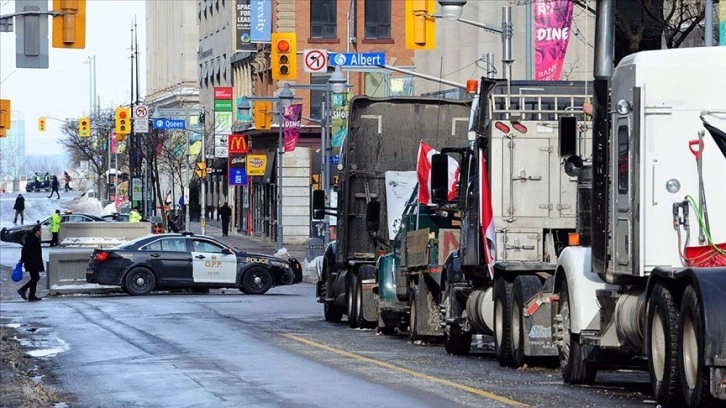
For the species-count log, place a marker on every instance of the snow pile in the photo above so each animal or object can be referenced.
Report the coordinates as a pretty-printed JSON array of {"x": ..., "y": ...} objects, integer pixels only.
[{"x": 84, "y": 204}]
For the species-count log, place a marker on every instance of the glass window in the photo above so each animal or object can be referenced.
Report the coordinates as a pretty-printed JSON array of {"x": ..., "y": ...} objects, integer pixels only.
[
  {"x": 167, "y": 245},
  {"x": 378, "y": 19},
  {"x": 206, "y": 246},
  {"x": 317, "y": 97},
  {"x": 323, "y": 19},
  {"x": 623, "y": 159}
]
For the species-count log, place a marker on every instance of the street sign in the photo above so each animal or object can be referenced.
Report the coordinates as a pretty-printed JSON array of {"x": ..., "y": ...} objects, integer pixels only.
[
  {"x": 315, "y": 60},
  {"x": 358, "y": 59},
  {"x": 334, "y": 159},
  {"x": 237, "y": 176},
  {"x": 141, "y": 112},
  {"x": 166, "y": 124},
  {"x": 141, "y": 125},
  {"x": 177, "y": 113}
]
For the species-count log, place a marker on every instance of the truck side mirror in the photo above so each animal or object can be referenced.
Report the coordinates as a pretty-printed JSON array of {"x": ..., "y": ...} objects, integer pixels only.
[
  {"x": 318, "y": 204},
  {"x": 373, "y": 216},
  {"x": 439, "y": 178},
  {"x": 568, "y": 136}
]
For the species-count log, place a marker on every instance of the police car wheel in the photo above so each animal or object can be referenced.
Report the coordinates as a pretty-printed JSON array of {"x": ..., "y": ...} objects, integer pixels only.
[
  {"x": 140, "y": 281},
  {"x": 256, "y": 281}
]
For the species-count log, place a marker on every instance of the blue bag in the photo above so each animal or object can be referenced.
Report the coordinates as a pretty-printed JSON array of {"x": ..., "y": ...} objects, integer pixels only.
[{"x": 17, "y": 275}]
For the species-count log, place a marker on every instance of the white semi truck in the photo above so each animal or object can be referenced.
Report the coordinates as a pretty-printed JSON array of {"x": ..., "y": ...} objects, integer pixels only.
[{"x": 633, "y": 287}]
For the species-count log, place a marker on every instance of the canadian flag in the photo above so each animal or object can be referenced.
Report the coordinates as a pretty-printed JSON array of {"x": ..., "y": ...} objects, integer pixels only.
[
  {"x": 486, "y": 215},
  {"x": 423, "y": 171}
]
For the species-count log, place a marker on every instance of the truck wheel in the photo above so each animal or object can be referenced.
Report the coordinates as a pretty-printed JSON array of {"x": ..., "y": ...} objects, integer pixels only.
[
  {"x": 351, "y": 301},
  {"x": 573, "y": 367},
  {"x": 662, "y": 344},
  {"x": 331, "y": 314},
  {"x": 524, "y": 288},
  {"x": 502, "y": 320},
  {"x": 456, "y": 341},
  {"x": 413, "y": 316},
  {"x": 695, "y": 377}
]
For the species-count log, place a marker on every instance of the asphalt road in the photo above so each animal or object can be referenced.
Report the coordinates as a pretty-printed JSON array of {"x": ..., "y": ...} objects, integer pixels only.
[{"x": 227, "y": 349}]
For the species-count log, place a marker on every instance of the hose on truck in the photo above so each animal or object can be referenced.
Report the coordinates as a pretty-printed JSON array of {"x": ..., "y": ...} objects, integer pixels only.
[{"x": 707, "y": 255}]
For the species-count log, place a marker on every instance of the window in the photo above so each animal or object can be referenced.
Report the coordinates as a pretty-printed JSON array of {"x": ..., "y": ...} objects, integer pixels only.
[
  {"x": 206, "y": 246},
  {"x": 623, "y": 159},
  {"x": 378, "y": 19},
  {"x": 167, "y": 245},
  {"x": 323, "y": 16},
  {"x": 317, "y": 97}
]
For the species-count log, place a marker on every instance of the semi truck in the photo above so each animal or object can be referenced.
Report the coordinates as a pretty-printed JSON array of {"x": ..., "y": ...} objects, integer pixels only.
[
  {"x": 383, "y": 135},
  {"x": 633, "y": 287}
]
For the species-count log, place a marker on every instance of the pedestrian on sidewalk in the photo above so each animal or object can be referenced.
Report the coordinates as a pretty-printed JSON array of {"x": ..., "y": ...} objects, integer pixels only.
[
  {"x": 54, "y": 187},
  {"x": 225, "y": 212},
  {"x": 19, "y": 208},
  {"x": 55, "y": 222},
  {"x": 32, "y": 258},
  {"x": 67, "y": 180}
]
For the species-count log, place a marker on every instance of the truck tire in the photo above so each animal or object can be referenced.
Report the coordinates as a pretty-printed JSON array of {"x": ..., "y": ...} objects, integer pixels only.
[
  {"x": 331, "y": 313},
  {"x": 350, "y": 292},
  {"x": 695, "y": 376},
  {"x": 456, "y": 341},
  {"x": 413, "y": 316},
  {"x": 502, "y": 322},
  {"x": 662, "y": 344},
  {"x": 573, "y": 367},
  {"x": 525, "y": 286}
]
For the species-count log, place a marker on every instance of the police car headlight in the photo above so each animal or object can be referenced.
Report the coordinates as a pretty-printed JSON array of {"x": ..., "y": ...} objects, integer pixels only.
[{"x": 279, "y": 264}]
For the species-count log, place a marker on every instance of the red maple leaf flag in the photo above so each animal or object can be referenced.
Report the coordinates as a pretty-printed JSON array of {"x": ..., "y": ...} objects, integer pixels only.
[
  {"x": 486, "y": 215},
  {"x": 423, "y": 171}
]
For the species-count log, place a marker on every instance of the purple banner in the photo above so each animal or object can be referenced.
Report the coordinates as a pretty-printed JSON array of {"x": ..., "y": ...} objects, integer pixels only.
[
  {"x": 552, "y": 29},
  {"x": 291, "y": 125}
]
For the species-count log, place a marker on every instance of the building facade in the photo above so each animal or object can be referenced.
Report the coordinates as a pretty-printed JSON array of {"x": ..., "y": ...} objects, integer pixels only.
[{"x": 12, "y": 153}]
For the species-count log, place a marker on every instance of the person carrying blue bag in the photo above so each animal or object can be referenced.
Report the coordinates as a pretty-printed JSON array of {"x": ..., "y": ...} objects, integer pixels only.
[{"x": 32, "y": 258}]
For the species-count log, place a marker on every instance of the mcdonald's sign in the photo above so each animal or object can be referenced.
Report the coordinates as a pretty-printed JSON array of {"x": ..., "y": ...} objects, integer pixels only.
[{"x": 237, "y": 144}]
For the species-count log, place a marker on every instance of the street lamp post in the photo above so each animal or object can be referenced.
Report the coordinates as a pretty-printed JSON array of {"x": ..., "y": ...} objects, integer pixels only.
[{"x": 284, "y": 99}]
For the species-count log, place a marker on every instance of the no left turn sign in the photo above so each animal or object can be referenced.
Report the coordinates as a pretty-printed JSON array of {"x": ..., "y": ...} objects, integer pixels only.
[{"x": 316, "y": 60}]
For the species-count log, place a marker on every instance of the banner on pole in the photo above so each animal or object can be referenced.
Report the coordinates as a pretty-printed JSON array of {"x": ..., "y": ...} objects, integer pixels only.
[
  {"x": 291, "y": 123},
  {"x": 552, "y": 29}
]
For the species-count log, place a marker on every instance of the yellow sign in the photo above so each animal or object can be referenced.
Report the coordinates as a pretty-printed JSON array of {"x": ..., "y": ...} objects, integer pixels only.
[
  {"x": 420, "y": 28},
  {"x": 256, "y": 164},
  {"x": 202, "y": 166},
  {"x": 263, "y": 115},
  {"x": 5, "y": 114}
]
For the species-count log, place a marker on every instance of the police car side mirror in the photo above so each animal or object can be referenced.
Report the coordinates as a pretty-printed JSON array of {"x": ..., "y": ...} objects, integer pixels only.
[{"x": 227, "y": 251}]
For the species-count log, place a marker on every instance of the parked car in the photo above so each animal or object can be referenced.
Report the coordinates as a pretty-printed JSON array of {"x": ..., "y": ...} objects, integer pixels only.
[
  {"x": 188, "y": 261},
  {"x": 17, "y": 234}
]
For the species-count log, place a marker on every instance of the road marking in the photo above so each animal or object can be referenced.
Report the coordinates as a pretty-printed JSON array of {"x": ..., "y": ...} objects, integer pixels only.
[{"x": 410, "y": 372}]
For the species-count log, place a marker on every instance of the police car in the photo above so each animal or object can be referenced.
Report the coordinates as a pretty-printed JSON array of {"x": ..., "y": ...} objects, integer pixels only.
[{"x": 186, "y": 260}]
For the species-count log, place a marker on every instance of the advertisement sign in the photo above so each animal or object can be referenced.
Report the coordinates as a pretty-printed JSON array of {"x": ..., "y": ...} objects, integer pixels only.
[
  {"x": 261, "y": 26},
  {"x": 256, "y": 164},
  {"x": 237, "y": 176},
  {"x": 291, "y": 124},
  {"x": 223, "y": 105},
  {"x": 243, "y": 25},
  {"x": 223, "y": 92},
  {"x": 552, "y": 23},
  {"x": 339, "y": 119},
  {"x": 114, "y": 143},
  {"x": 237, "y": 144},
  {"x": 137, "y": 189}
]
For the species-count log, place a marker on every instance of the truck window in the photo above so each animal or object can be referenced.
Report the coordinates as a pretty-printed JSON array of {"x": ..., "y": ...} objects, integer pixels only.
[{"x": 623, "y": 164}]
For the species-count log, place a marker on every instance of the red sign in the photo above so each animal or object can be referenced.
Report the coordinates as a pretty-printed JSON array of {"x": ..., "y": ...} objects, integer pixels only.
[
  {"x": 237, "y": 144},
  {"x": 223, "y": 92}
]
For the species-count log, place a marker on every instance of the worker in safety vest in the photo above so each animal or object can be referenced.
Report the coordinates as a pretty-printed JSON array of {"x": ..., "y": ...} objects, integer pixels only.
[{"x": 135, "y": 215}]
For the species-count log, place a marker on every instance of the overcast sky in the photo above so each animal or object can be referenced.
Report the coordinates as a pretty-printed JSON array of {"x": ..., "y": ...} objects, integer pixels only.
[{"x": 62, "y": 90}]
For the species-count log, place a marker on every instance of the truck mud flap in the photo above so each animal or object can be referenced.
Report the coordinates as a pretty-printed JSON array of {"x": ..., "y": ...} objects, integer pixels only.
[
  {"x": 394, "y": 314},
  {"x": 537, "y": 326},
  {"x": 369, "y": 306},
  {"x": 429, "y": 317}
]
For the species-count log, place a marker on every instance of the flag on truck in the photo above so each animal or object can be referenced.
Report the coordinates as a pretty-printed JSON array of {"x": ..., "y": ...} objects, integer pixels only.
[
  {"x": 486, "y": 215},
  {"x": 423, "y": 171}
]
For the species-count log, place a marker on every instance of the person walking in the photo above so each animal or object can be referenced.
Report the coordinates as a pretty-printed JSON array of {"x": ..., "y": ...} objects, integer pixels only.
[
  {"x": 19, "y": 208},
  {"x": 54, "y": 187},
  {"x": 32, "y": 258},
  {"x": 225, "y": 213},
  {"x": 67, "y": 180},
  {"x": 135, "y": 215},
  {"x": 55, "y": 222}
]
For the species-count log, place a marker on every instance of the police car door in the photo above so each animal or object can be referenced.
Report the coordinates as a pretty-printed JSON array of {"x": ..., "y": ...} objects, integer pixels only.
[{"x": 210, "y": 264}]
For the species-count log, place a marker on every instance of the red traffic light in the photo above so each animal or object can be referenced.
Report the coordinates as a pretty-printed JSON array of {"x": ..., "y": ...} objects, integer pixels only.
[
  {"x": 283, "y": 46},
  {"x": 122, "y": 114}
]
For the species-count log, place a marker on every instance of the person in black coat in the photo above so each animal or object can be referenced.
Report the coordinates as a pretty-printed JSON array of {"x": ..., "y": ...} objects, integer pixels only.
[
  {"x": 19, "y": 208},
  {"x": 32, "y": 258},
  {"x": 54, "y": 187},
  {"x": 225, "y": 213}
]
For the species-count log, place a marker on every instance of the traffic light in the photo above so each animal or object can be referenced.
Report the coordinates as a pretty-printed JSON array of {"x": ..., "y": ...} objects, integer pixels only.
[
  {"x": 420, "y": 25},
  {"x": 41, "y": 124},
  {"x": 284, "y": 56},
  {"x": 84, "y": 127},
  {"x": 69, "y": 28},
  {"x": 4, "y": 114},
  {"x": 123, "y": 117},
  {"x": 263, "y": 115}
]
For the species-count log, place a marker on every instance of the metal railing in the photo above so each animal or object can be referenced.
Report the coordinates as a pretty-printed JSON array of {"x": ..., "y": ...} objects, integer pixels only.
[{"x": 537, "y": 107}]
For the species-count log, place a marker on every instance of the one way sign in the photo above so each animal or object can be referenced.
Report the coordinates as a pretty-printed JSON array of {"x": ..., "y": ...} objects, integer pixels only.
[{"x": 315, "y": 60}]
